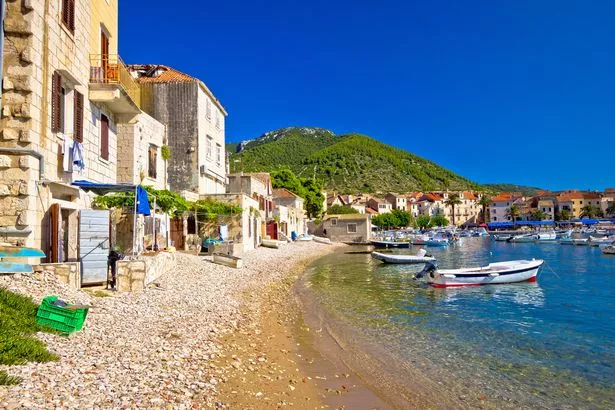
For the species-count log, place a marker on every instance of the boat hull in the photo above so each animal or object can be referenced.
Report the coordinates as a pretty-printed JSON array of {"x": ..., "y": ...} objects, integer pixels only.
[
  {"x": 390, "y": 244},
  {"x": 402, "y": 259},
  {"x": 452, "y": 278},
  {"x": 436, "y": 243}
]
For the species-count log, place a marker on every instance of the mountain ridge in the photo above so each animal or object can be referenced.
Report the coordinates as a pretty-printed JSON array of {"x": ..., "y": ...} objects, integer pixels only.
[{"x": 346, "y": 163}]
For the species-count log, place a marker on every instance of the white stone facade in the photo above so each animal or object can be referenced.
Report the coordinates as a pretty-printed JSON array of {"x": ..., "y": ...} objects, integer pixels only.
[
  {"x": 136, "y": 139},
  {"x": 211, "y": 145}
]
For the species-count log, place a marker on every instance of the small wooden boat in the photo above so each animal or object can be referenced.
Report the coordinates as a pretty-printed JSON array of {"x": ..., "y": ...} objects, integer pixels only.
[
  {"x": 546, "y": 236},
  {"x": 403, "y": 259},
  {"x": 597, "y": 241},
  {"x": 502, "y": 238},
  {"x": 271, "y": 243},
  {"x": 581, "y": 241},
  {"x": 20, "y": 252},
  {"x": 492, "y": 274},
  {"x": 304, "y": 238},
  {"x": 321, "y": 240},
  {"x": 390, "y": 244},
  {"x": 9, "y": 251}
]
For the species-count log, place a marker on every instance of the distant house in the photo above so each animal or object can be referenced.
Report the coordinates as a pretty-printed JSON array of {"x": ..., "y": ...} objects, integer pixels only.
[
  {"x": 347, "y": 228},
  {"x": 380, "y": 205},
  {"x": 547, "y": 205},
  {"x": 288, "y": 207},
  {"x": 398, "y": 201},
  {"x": 575, "y": 201},
  {"x": 498, "y": 210}
]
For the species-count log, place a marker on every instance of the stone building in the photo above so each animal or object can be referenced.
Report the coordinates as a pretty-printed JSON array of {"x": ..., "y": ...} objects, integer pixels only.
[
  {"x": 195, "y": 127},
  {"x": 289, "y": 208},
  {"x": 67, "y": 98}
]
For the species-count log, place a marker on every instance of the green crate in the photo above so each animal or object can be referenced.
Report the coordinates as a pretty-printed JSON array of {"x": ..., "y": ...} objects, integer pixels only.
[{"x": 59, "y": 318}]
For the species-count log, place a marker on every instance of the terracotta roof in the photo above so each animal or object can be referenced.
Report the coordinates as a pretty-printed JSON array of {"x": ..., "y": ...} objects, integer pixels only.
[
  {"x": 284, "y": 193},
  {"x": 469, "y": 195},
  {"x": 370, "y": 211},
  {"x": 568, "y": 196},
  {"x": 167, "y": 75},
  {"x": 503, "y": 196},
  {"x": 432, "y": 197},
  {"x": 414, "y": 195}
]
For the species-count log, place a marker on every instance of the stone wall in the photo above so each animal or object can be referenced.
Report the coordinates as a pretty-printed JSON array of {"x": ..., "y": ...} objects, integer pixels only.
[
  {"x": 133, "y": 276},
  {"x": 68, "y": 272}
]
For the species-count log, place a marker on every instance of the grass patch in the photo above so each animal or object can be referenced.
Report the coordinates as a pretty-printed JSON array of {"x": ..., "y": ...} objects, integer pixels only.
[
  {"x": 6, "y": 380},
  {"x": 17, "y": 328}
]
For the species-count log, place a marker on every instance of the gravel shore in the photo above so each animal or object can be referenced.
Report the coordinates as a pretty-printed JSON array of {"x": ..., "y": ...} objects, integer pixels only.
[{"x": 155, "y": 349}]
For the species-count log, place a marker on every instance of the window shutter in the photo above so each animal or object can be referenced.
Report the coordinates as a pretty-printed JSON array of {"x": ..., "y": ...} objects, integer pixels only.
[
  {"x": 65, "y": 12},
  {"x": 78, "y": 116},
  {"x": 71, "y": 16},
  {"x": 104, "y": 137},
  {"x": 56, "y": 101}
]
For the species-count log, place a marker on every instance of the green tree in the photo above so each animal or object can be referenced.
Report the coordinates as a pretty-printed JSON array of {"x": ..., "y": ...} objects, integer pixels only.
[
  {"x": 484, "y": 202},
  {"x": 403, "y": 217},
  {"x": 341, "y": 209},
  {"x": 439, "y": 220},
  {"x": 388, "y": 220},
  {"x": 422, "y": 221},
  {"x": 563, "y": 215},
  {"x": 538, "y": 215},
  {"x": 309, "y": 189},
  {"x": 590, "y": 211},
  {"x": 513, "y": 212},
  {"x": 452, "y": 200}
]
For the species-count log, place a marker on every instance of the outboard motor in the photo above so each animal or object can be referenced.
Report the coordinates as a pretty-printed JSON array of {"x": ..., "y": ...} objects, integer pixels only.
[{"x": 430, "y": 267}]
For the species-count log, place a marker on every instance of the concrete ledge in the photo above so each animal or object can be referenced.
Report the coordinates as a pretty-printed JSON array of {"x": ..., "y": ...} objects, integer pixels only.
[
  {"x": 228, "y": 260},
  {"x": 133, "y": 276}
]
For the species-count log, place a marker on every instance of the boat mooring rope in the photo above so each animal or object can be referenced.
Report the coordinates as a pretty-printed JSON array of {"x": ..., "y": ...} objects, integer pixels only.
[{"x": 549, "y": 266}]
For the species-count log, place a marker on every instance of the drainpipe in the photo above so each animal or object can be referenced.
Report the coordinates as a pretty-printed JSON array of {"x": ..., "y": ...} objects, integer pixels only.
[
  {"x": 2, "y": 13},
  {"x": 41, "y": 160}
]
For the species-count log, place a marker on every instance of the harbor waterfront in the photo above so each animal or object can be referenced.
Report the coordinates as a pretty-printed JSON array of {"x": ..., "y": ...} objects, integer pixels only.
[{"x": 549, "y": 344}]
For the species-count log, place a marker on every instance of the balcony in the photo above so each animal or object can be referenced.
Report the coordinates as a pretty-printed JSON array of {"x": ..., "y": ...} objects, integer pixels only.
[{"x": 112, "y": 84}]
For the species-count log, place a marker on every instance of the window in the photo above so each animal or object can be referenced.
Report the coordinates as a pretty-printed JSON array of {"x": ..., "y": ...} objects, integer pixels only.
[
  {"x": 104, "y": 137},
  {"x": 78, "y": 116},
  {"x": 152, "y": 161},
  {"x": 208, "y": 110},
  {"x": 218, "y": 154},
  {"x": 218, "y": 120},
  {"x": 209, "y": 147},
  {"x": 68, "y": 15},
  {"x": 66, "y": 108},
  {"x": 351, "y": 228},
  {"x": 334, "y": 222}
]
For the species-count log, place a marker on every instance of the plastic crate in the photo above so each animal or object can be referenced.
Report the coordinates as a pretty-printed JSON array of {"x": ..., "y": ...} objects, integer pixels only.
[{"x": 67, "y": 319}]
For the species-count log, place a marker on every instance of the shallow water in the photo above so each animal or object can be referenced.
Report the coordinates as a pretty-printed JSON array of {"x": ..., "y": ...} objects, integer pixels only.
[{"x": 546, "y": 344}]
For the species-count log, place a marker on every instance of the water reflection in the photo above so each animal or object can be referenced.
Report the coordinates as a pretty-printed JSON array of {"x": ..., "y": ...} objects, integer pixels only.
[{"x": 522, "y": 294}]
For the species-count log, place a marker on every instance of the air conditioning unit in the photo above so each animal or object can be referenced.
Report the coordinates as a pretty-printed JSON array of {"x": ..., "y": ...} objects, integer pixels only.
[{"x": 202, "y": 169}]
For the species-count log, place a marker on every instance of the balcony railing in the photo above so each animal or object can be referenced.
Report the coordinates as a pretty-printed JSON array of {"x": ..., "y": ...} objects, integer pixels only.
[{"x": 110, "y": 69}]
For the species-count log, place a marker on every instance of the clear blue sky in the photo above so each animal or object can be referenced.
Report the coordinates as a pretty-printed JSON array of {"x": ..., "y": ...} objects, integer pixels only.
[{"x": 498, "y": 91}]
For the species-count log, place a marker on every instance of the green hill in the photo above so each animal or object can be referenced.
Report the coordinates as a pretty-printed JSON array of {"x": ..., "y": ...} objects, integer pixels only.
[
  {"x": 525, "y": 190},
  {"x": 346, "y": 163}
]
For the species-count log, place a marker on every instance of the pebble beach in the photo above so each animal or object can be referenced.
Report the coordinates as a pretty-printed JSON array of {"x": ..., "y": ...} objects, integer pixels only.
[{"x": 163, "y": 347}]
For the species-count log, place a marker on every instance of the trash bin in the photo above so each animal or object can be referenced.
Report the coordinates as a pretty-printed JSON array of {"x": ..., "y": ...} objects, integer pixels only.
[{"x": 293, "y": 235}]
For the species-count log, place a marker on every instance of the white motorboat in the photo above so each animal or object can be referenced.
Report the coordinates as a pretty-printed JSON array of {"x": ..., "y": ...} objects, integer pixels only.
[
  {"x": 272, "y": 243},
  {"x": 304, "y": 238},
  {"x": 609, "y": 250},
  {"x": 421, "y": 257},
  {"x": 390, "y": 244},
  {"x": 604, "y": 240},
  {"x": 546, "y": 236},
  {"x": 528, "y": 237},
  {"x": 492, "y": 274},
  {"x": 502, "y": 237}
]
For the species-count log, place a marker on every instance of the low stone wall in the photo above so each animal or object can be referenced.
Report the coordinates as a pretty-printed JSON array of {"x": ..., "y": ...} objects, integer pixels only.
[
  {"x": 133, "y": 276},
  {"x": 67, "y": 272}
]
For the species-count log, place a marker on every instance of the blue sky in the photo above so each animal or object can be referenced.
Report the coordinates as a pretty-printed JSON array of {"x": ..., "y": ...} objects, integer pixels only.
[{"x": 498, "y": 91}]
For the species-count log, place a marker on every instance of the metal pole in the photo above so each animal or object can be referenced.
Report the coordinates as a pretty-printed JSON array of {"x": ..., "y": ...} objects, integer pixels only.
[
  {"x": 154, "y": 226},
  {"x": 134, "y": 226}
]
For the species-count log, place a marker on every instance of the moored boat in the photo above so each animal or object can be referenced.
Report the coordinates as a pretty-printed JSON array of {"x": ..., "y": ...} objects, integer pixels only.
[
  {"x": 546, "y": 236},
  {"x": 421, "y": 257},
  {"x": 609, "y": 250},
  {"x": 390, "y": 244},
  {"x": 502, "y": 237},
  {"x": 528, "y": 237},
  {"x": 492, "y": 274},
  {"x": 321, "y": 239}
]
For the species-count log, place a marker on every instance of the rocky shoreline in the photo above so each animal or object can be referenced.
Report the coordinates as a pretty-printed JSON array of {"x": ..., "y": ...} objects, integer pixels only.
[{"x": 155, "y": 349}]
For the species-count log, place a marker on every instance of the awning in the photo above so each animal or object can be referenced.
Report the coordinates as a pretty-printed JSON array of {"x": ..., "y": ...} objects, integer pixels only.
[
  {"x": 534, "y": 223},
  {"x": 102, "y": 189},
  {"x": 495, "y": 225}
]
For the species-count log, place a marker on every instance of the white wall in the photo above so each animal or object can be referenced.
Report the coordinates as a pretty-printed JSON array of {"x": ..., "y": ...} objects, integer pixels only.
[{"x": 211, "y": 124}]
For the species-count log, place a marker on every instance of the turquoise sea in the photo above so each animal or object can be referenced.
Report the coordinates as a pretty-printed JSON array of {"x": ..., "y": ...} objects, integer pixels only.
[{"x": 549, "y": 344}]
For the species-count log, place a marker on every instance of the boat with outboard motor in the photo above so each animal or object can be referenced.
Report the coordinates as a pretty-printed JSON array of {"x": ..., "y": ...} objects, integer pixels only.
[{"x": 492, "y": 274}]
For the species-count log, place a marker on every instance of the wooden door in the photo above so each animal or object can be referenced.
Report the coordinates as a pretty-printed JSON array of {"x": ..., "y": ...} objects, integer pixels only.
[
  {"x": 55, "y": 241},
  {"x": 104, "y": 54},
  {"x": 177, "y": 233},
  {"x": 93, "y": 245}
]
